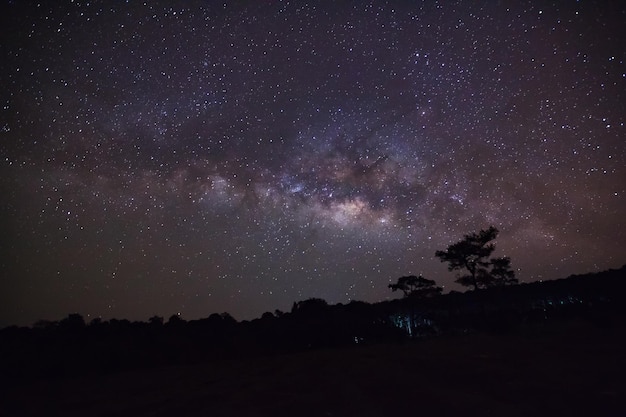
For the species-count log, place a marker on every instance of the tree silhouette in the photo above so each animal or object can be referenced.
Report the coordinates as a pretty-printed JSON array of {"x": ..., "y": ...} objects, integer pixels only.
[
  {"x": 472, "y": 254},
  {"x": 501, "y": 271},
  {"x": 413, "y": 286},
  {"x": 175, "y": 320},
  {"x": 309, "y": 306},
  {"x": 73, "y": 322}
]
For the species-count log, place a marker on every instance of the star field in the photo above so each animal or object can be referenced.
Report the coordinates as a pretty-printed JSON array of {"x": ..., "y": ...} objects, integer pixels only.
[{"x": 201, "y": 157}]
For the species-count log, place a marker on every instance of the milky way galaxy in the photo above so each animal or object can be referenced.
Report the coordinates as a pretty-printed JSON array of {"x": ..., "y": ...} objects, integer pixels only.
[{"x": 200, "y": 157}]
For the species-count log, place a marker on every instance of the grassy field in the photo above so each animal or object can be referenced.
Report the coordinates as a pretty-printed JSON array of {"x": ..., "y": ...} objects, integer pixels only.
[{"x": 561, "y": 369}]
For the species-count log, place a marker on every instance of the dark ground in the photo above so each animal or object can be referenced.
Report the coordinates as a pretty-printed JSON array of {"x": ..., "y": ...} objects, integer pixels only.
[{"x": 557, "y": 369}]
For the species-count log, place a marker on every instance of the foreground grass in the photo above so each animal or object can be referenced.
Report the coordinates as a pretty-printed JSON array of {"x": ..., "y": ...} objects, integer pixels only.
[{"x": 566, "y": 368}]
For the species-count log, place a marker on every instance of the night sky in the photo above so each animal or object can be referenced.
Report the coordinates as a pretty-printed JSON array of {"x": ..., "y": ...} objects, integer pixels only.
[{"x": 201, "y": 157}]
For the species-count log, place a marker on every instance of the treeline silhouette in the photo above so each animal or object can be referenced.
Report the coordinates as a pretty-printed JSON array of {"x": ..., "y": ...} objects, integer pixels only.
[{"x": 52, "y": 349}]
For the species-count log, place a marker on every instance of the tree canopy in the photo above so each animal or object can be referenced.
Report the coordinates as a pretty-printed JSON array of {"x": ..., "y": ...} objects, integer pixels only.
[
  {"x": 472, "y": 256},
  {"x": 501, "y": 271},
  {"x": 413, "y": 286}
]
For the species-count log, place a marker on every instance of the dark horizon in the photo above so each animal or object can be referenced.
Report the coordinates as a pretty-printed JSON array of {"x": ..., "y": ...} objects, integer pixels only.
[
  {"x": 533, "y": 349},
  {"x": 560, "y": 288},
  {"x": 203, "y": 157}
]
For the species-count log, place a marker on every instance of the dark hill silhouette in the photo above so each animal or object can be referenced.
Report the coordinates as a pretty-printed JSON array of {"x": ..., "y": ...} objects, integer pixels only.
[
  {"x": 545, "y": 348},
  {"x": 73, "y": 347}
]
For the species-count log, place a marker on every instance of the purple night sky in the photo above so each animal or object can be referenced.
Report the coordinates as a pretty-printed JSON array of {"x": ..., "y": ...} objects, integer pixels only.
[{"x": 198, "y": 157}]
